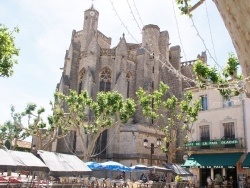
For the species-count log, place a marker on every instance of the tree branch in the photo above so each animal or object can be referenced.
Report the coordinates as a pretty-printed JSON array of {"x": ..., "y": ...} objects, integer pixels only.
[{"x": 195, "y": 6}]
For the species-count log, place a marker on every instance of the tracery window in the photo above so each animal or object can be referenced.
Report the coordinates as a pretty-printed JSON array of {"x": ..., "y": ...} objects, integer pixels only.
[{"x": 105, "y": 79}]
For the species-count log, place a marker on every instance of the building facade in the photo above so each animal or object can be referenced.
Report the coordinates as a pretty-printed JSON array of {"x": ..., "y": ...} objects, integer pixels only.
[
  {"x": 92, "y": 65},
  {"x": 220, "y": 138}
]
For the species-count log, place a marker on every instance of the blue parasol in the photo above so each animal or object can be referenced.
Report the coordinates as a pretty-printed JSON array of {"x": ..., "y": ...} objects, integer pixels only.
[
  {"x": 94, "y": 165},
  {"x": 114, "y": 166}
]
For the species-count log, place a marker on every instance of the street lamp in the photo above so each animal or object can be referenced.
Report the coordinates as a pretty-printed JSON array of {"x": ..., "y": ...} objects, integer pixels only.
[{"x": 152, "y": 147}]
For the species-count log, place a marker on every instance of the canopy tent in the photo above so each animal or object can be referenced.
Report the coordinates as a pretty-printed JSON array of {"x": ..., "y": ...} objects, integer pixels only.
[
  {"x": 246, "y": 162},
  {"x": 6, "y": 160},
  {"x": 28, "y": 161},
  {"x": 114, "y": 166},
  {"x": 158, "y": 168},
  {"x": 63, "y": 164},
  {"x": 215, "y": 160},
  {"x": 139, "y": 167},
  {"x": 18, "y": 160},
  {"x": 177, "y": 169}
]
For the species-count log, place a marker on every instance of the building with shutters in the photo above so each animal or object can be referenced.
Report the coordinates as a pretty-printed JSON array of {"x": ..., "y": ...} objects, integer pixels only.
[{"x": 220, "y": 137}]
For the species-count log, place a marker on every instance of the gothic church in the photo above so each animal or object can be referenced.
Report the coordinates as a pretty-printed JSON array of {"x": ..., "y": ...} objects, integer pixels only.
[{"x": 91, "y": 64}]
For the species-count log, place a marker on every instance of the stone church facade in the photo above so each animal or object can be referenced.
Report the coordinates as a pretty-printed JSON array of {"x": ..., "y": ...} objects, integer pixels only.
[{"x": 91, "y": 64}]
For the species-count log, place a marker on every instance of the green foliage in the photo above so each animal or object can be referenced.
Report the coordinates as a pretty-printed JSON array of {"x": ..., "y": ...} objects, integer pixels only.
[
  {"x": 72, "y": 112},
  {"x": 12, "y": 130},
  {"x": 36, "y": 127},
  {"x": 108, "y": 107},
  {"x": 7, "y": 51},
  {"x": 80, "y": 112},
  {"x": 211, "y": 76},
  {"x": 231, "y": 67},
  {"x": 184, "y": 6},
  {"x": 205, "y": 73},
  {"x": 174, "y": 112}
]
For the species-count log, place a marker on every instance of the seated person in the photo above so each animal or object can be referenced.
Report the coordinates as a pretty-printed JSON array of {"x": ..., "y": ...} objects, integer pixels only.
[
  {"x": 248, "y": 182},
  {"x": 209, "y": 181},
  {"x": 152, "y": 176},
  {"x": 144, "y": 178},
  {"x": 230, "y": 181},
  {"x": 224, "y": 182},
  {"x": 122, "y": 176},
  {"x": 163, "y": 178},
  {"x": 218, "y": 179}
]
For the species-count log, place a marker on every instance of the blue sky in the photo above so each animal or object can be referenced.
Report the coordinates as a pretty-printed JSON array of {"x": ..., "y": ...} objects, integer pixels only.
[{"x": 45, "y": 33}]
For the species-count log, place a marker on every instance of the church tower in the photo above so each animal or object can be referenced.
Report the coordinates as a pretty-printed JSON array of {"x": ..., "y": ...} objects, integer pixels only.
[{"x": 89, "y": 27}]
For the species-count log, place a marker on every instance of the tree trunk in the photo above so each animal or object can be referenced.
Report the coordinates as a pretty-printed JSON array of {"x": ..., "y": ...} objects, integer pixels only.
[{"x": 235, "y": 14}]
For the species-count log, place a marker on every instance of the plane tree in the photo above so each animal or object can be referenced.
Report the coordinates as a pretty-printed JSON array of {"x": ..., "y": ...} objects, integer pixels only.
[
  {"x": 90, "y": 118},
  {"x": 71, "y": 113},
  {"x": 11, "y": 131},
  {"x": 174, "y": 116}
]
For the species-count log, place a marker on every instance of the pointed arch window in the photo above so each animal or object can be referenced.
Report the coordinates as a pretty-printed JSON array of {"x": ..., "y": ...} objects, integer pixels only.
[
  {"x": 80, "y": 80},
  {"x": 128, "y": 76},
  {"x": 105, "y": 79}
]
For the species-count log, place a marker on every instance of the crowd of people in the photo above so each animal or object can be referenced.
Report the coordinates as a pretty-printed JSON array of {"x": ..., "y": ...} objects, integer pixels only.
[
  {"x": 145, "y": 177},
  {"x": 219, "y": 180},
  {"x": 229, "y": 182}
]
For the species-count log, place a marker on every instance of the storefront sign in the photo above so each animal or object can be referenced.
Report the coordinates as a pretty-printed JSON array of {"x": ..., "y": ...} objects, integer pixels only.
[
  {"x": 213, "y": 142},
  {"x": 211, "y": 166}
]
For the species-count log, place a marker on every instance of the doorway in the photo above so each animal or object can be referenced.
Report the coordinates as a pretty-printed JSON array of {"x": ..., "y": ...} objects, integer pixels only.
[
  {"x": 232, "y": 172},
  {"x": 205, "y": 172}
]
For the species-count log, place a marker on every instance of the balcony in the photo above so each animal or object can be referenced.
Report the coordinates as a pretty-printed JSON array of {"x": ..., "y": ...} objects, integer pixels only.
[{"x": 228, "y": 143}]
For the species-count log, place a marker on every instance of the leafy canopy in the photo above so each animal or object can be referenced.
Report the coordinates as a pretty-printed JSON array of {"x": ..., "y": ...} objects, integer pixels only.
[
  {"x": 7, "y": 51},
  {"x": 225, "y": 81},
  {"x": 12, "y": 130},
  {"x": 107, "y": 107},
  {"x": 175, "y": 113}
]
